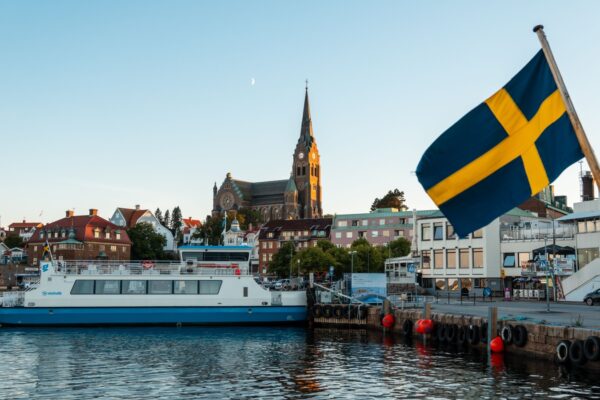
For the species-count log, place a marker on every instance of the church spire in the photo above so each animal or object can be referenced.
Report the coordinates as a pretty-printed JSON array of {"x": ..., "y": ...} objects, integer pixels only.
[{"x": 306, "y": 131}]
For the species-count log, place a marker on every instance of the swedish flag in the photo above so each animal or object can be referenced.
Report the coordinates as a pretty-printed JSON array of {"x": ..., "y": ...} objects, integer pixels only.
[{"x": 502, "y": 152}]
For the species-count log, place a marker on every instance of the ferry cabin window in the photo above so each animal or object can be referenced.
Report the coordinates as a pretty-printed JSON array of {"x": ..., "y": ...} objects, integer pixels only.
[
  {"x": 108, "y": 287},
  {"x": 185, "y": 287},
  {"x": 133, "y": 287},
  {"x": 245, "y": 291},
  {"x": 83, "y": 287},
  {"x": 210, "y": 287},
  {"x": 160, "y": 287}
]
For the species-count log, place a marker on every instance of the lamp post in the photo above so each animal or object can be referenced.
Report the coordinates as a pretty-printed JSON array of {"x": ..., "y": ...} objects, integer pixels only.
[
  {"x": 352, "y": 253},
  {"x": 547, "y": 270}
]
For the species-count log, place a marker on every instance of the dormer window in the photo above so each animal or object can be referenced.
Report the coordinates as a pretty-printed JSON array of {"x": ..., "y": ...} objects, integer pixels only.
[
  {"x": 118, "y": 235},
  {"x": 97, "y": 233},
  {"x": 107, "y": 235},
  {"x": 56, "y": 234}
]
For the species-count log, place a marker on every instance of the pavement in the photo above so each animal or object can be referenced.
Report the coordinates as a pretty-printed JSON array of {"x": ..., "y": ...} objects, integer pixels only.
[{"x": 564, "y": 314}]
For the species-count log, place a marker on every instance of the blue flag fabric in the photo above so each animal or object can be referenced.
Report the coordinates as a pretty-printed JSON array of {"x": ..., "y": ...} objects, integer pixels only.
[{"x": 502, "y": 152}]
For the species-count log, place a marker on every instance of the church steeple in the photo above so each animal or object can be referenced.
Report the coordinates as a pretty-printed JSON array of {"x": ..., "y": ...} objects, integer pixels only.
[{"x": 306, "y": 131}]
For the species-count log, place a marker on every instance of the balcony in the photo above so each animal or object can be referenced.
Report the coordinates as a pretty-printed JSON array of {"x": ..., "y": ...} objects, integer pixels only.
[{"x": 513, "y": 234}]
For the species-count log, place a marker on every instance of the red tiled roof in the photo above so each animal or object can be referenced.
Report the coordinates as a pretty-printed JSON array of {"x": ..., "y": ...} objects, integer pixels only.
[
  {"x": 131, "y": 215},
  {"x": 24, "y": 225},
  {"x": 84, "y": 226},
  {"x": 191, "y": 223}
]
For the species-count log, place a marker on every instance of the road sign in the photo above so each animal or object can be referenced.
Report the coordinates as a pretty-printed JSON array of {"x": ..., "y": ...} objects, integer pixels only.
[{"x": 487, "y": 292}]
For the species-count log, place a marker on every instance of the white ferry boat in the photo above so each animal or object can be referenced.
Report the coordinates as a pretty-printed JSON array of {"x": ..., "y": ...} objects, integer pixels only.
[{"x": 211, "y": 285}]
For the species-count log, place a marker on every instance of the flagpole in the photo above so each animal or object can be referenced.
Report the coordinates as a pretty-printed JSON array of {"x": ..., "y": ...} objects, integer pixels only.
[{"x": 586, "y": 147}]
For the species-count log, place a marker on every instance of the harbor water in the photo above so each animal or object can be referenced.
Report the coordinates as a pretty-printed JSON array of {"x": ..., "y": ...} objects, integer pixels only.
[{"x": 263, "y": 362}]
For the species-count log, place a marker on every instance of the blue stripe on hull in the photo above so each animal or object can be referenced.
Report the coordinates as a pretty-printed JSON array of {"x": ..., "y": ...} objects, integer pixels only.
[{"x": 151, "y": 315}]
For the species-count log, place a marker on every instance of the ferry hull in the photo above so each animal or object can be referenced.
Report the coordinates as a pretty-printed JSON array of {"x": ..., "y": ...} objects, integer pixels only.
[{"x": 97, "y": 316}]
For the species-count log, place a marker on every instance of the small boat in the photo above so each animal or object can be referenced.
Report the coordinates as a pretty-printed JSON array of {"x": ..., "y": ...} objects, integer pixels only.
[{"x": 211, "y": 285}]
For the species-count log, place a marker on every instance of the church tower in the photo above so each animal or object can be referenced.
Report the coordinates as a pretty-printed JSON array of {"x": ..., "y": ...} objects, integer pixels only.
[{"x": 307, "y": 168}]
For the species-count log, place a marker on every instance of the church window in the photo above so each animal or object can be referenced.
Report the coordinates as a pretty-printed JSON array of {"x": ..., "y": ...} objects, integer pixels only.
[
  {"x": 298, "y": 170},
  {"x": 317, "y": 170},
  {"x": 303, "y": 170}
]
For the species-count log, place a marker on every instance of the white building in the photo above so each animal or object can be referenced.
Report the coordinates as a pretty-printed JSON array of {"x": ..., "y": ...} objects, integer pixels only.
[
  {"x": 586, "y": 221},
  {"x": 189, "y": 227},
  {"x": 493, "y": 256},
  {"x": 128, "y": 217}
]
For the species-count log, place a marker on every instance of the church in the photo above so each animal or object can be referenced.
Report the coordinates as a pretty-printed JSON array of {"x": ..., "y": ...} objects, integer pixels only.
[{"x": 297, "y": 197}]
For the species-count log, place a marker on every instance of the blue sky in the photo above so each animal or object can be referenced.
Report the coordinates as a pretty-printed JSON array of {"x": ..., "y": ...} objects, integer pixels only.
[{"x": 116, "y": 103}]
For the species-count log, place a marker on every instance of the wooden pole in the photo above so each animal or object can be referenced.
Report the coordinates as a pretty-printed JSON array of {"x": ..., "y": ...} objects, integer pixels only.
[{"x": 588, "y": 152}]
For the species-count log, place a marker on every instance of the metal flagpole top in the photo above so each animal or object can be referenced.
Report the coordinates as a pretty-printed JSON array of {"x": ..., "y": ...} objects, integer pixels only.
[{"x": 583, "y": 140}]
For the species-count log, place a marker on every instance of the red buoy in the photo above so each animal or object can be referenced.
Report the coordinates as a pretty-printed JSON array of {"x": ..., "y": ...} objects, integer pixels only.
[
  {"x": 427, "y": 326},
  {"x": 238, "y": 272},
  {"x": 419, "y": 326},
  {"x": 388, "y": 321},
  {"x": 497, "y": 345}
]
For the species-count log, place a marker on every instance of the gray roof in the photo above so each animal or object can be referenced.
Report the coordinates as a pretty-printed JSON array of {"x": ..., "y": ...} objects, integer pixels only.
[
  {"x": 580, "y": 215},
  {"x": 258, "y": 193}
]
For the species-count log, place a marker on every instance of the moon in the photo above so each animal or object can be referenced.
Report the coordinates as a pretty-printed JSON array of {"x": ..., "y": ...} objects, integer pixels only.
[{"x": 252, "y": 82}]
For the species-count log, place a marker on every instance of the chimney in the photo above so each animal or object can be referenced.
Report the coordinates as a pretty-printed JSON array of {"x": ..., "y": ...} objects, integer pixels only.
[
  {"x": 587, "y": 185},
  {"x": 69, "y": 213},
  {"x": 137, "y": 206},
  {"x": 93, "y": 212}
]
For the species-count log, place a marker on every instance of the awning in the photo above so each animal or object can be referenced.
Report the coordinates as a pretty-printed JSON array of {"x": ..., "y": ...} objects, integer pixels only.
[
  {"x": 579, "y": 215},
  {"x": 554, "y": 249}
]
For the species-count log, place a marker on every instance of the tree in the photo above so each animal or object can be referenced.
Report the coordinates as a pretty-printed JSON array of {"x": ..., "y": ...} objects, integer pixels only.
[
  {"x": 367, "y": 257},
  {"x": 176, "y": 220},
  {"x": 167, "y": 220},
  {"x": 247, "y": 216},
  {"x": 393, "y": 199},
  {"x": 280, "y": 264},
  {"x": 14, "y": 241},
  {"x": 147, "y": 244},
  {"x": 159, "y": 216},
  {"x": 397, "y": 248},
  {"x": 311, "y": 259}
]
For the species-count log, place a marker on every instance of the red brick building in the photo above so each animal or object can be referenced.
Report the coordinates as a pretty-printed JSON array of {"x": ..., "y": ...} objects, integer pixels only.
[
  {"x": 80, "y": 237},
  {"x": 546, "y": 205},
  {"x": 303, "y": 233}
]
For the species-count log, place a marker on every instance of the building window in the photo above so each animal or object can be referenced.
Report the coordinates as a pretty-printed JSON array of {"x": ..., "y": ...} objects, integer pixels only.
[
  {"x": 477, "y": 258},
  {"x": 451, "y": 258},
  {"x": 338, "y": 235},
  {"x": 382, "y": 222},
  {"x": 464, "y": 258},
  {"x": 581, "y": 227},
  {"x": 107, "y": 235},
  {"x": 270, "y": 235},
  {"x": 354, "y": 222},
  {"x": 438, "y": 231},
  {"x": 440, "y": 284},
  {"x": 264, "y": 257},
  {"x": 386, "y": 233},
  {"x": 438, "y": 259},
  {"x": 34, "y": 248},
  {"x": 96, "y": 234},
  {"x": 361, "y": 234},
  {"x": 398, "y": 233},
  {"x": 124, "y": 249},
  {"x": 113, "y": 248},
  {"x": 478, "y": 234},
  {"x": 342, "y": 223},
  {"x": 118, "y": 236},
  {"x": 426, "y": 259},
  {"x": 590, "y": 225},
  {"x": 41, "y": 235},
  {"x": 523, "y": 260},
  {"x": 270, "y": 245},
  {"x": 349, "y": 235},
  {"x": 450, "y": 234},
  {"x": 426, "y": 232},
  {"x": 264, "y": 245},
  {"x": 585, "y": 256},
  {"x": 508, "y": 260},
  {"x": 374, "y": 234}
]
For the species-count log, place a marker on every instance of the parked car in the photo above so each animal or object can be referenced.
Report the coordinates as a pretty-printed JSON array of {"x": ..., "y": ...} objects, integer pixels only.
[
  {"x": 281, "y": 284},
  {"x": 592, "y": 297}
]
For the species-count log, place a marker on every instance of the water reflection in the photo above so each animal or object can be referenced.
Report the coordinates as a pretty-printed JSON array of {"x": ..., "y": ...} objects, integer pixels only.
[{"x": 264, "y": 362}]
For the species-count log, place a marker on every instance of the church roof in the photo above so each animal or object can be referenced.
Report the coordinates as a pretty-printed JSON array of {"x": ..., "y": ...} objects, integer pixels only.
[
  {"x": 306, "y": 131},
  {"x": 291, "y": 185},
  {"x": 258, "y": 193}
]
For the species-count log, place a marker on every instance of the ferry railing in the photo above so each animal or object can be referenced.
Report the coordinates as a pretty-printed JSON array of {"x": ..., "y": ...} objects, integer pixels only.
[
  {"x": 13, "y": 299},
  {"x": 95, "y": 267}
]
